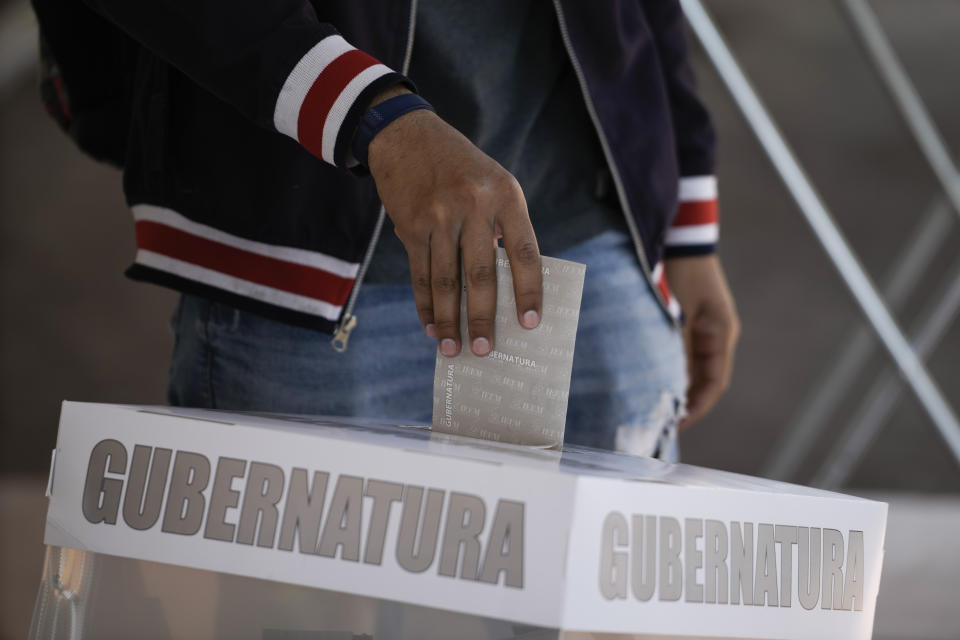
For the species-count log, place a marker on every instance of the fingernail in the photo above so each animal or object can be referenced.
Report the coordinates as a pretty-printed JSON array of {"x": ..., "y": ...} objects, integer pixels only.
[
  {"x": 431, "y": 330},
  {"x": 448, "y": 347},
  {"x": 481, "y": 346},
  {"x": 531, "y": 319}
]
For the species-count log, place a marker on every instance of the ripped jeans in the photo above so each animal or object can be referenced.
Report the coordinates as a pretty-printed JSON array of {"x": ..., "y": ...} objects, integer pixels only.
[{"x": 626, "y": 394}]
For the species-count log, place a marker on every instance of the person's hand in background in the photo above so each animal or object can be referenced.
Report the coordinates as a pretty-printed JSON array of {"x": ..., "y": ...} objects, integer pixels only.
[
  {"x": 711, "y": 330},
  {"x": 448, "y": 199}
]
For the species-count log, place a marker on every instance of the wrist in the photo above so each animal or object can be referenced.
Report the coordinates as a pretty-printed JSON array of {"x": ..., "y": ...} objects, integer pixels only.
[
  {"x": 381, "y": 120},
  {"x": 697, "y": 281},
  {"x": 386, "y": 94}
]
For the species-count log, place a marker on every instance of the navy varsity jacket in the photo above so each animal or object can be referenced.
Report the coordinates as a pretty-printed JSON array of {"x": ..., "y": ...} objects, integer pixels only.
[{"x": 237, "y": 164}]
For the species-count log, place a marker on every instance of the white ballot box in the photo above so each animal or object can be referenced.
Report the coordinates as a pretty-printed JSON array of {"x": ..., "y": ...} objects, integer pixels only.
[{"x": 180, "y": 523}]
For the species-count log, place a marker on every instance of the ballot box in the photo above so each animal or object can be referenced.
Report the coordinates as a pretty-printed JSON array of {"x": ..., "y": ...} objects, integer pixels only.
[{"x": 181, "y": 523}]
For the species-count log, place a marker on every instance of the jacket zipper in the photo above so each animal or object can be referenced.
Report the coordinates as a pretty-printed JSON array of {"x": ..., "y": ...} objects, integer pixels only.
[
  {"x": 614, "y": 171},
  {"x": 348, "y": 321}
]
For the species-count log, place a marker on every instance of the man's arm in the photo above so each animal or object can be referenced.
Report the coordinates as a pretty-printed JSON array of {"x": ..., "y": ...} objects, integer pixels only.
[
  {"x": 285, "y": 70},
  {"x": 693, "y": 271},
  {"x": 710, "y": 331},
  {"x": 695, "y": 276},
  {"x": 275, "y": 62}
]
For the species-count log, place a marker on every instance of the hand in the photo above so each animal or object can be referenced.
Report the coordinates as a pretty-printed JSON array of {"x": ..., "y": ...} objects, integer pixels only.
[
  {"x": 448, "y": 199},
  {"x": 711, "y": 330}
]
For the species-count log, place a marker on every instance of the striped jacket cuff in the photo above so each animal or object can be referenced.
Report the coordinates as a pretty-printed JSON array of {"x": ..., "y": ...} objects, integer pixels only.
[
  {"x": 307, "y": 283},
  {"x": 695, "y": 228},
  {"x": 324, "y": 97}
]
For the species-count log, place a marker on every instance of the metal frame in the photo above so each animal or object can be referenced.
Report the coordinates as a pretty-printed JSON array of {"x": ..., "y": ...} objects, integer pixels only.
[
  {"x": 885, "y": 392},
  {"x": 912, "y": 368},
  {"x": 812, "y": 417},
  {"x": 866, "y": 26},
  {"x": 811, "y": 420}
]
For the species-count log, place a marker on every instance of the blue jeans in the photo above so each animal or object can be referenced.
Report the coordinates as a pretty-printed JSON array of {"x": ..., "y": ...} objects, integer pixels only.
[{"x": 627, "y": 389}]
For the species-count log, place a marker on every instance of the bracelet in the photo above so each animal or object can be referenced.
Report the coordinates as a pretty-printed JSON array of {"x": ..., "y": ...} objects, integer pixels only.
[{"x": 379, "y": 116}]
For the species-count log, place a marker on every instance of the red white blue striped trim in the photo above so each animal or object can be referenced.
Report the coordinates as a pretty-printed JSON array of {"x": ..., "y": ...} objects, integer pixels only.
[
  {"x": 697, "y": 188},
  {"x": 697, "y": 219},
  {"x": 317, "y": 95},
  {"x": 660, "y": 279},
  {"x": 305, "y": 281}
]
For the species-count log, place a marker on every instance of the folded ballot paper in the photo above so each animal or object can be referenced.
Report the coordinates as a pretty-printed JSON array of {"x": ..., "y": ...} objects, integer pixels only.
[{"x": 518, "y": 392}]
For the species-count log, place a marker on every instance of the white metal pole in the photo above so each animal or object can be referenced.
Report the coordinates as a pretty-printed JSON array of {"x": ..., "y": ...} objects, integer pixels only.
[
  {"x": 823, "y": 226},
  {"x": 812, "y": 417},
  {"x": 886, "y": 391},
  {"x": 885, "y": 61}
]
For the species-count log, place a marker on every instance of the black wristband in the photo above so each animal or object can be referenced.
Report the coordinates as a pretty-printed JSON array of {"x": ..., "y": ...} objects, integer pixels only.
[{"x": 379, "y": 116}]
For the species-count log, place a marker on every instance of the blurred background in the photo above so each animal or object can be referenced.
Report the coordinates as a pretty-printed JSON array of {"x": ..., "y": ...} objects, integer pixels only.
[{"x": 808, "y": 370}]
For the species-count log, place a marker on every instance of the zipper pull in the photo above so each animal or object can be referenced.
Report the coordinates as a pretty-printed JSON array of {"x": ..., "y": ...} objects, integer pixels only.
[{"x": 342, "y": 336}]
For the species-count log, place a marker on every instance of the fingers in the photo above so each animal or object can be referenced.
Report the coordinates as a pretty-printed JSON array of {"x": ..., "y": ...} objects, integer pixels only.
[
  {"x": 521, "y": 245},
  {"x": 466, "y": 222},
  {"x": 710, "y": 348},
  {"x": 419, "y": 256},
  {"x": 445, "y": 287},
  {"x": 479, "y": 266},
  {"x": 705, "y": 389}
]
